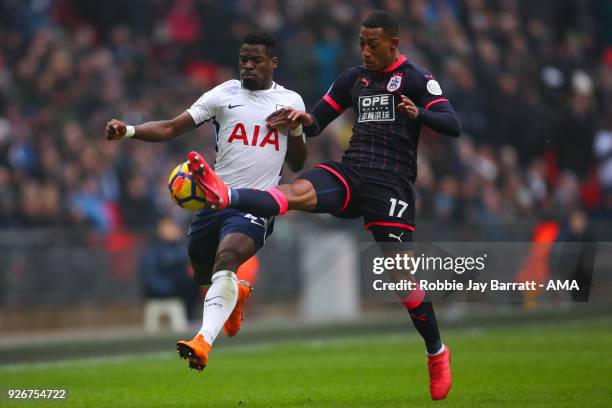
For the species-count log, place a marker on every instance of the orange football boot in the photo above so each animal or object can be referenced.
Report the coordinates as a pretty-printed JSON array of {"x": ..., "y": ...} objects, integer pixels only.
[
  {"x": 234, "y": 321},
  {"x": 216, "y": 192},
  {"x": 439, "y": 374},
  {"x": 195, "y": 350}
]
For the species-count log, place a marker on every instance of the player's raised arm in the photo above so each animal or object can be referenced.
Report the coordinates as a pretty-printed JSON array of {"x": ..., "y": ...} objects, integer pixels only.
[
  {"x": 158, "y": 131},
  {"x": 203, "y": 110}
]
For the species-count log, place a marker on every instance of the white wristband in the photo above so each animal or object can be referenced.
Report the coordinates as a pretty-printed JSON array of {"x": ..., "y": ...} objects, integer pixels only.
[
  {"x": 297, "y": 132},
  {"x": 130, "y": 131}
]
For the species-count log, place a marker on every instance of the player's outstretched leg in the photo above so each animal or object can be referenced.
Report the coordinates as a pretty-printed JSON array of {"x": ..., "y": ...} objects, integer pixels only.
[{"x": 299, "y": 195}]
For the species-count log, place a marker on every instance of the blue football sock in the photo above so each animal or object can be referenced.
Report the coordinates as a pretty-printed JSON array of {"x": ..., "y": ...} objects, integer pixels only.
[
  {"x": 257, "y": 202},
  {"x": 234, "y": 197}
]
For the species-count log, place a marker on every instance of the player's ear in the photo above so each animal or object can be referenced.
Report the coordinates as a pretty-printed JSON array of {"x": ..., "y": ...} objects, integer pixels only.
[
  {"x": 394, "y": 43},
  {"x": 274, "y": 62}
]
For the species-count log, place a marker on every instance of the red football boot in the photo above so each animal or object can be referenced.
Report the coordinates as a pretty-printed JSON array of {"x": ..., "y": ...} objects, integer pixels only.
[
  {"x": 216, "y": 192},
  {"x": 439, "y": 374}
]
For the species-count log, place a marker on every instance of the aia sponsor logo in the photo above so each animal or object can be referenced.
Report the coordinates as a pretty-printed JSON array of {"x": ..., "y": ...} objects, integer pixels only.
[{"x": 239, "y": 134}]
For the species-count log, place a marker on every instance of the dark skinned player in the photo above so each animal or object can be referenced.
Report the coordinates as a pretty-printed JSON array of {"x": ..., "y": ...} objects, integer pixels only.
[{"x": 220, "y": 241}]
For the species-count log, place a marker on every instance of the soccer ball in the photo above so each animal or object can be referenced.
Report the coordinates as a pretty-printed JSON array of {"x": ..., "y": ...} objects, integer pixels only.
[{"x": 183, "y": 190}]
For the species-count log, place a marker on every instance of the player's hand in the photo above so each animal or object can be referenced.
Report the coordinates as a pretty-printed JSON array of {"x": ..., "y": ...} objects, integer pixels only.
[
  {"x": 115, "y": 130},
  {"x": 408, "y": 107},
  {"x": 288, "y": 117}
]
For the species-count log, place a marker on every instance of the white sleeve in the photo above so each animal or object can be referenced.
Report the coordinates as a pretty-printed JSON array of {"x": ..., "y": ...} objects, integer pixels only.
[
  {"x": 298, "y": 103},
  {"x": 205, "y": 108}
]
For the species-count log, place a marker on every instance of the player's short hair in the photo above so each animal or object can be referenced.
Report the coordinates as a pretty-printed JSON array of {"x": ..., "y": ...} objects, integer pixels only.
[
  {"x": 382, "y": 19},
  {"x": 261, "y": 38}
]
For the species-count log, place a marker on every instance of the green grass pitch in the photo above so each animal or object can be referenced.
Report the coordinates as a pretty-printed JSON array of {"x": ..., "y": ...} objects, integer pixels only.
[{"x": 555, "y": 365}]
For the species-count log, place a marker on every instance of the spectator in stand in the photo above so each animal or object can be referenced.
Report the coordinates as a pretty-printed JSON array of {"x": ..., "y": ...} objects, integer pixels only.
[
  {"x": 164, "y": 267},
  {"x": 533, "y": 75}
]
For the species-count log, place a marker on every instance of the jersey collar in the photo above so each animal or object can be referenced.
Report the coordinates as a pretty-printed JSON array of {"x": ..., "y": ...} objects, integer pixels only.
[
  {"x": 399, "y": 61},
  {"x": 271, "y": 88}
]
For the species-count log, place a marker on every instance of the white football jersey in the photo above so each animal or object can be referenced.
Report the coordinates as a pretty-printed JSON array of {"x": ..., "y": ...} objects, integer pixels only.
[{"x": 249, "y": 154}]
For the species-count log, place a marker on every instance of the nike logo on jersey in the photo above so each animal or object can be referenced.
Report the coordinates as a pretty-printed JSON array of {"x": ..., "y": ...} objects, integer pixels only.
[{"x": 230, "y": 106}]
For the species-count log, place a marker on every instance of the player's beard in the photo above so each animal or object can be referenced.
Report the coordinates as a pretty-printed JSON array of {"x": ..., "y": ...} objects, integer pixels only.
[{"x": 251, "y": 83}]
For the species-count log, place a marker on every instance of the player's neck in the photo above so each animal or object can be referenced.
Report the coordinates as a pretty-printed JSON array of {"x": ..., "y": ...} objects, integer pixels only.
[
  {"x": 267, "y": 86},
  {"x": 396, "y": 61}
]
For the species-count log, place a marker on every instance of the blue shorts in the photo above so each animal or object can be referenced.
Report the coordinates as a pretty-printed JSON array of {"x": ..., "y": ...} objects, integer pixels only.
[{"x": 209, "y": 227}]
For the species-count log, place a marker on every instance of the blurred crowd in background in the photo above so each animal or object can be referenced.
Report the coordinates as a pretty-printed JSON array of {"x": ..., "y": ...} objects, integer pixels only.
[{"x": 531, "y": 82}]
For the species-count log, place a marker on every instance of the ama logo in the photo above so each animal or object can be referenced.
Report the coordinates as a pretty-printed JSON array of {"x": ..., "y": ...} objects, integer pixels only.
[{"x": 240, "y": 134}]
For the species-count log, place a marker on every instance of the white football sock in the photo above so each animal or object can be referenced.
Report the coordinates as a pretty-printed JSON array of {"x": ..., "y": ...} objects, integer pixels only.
[{"x": 219, "y": 304}]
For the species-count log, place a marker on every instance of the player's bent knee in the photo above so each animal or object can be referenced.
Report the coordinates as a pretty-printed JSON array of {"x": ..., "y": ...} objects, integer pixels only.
[
  {"x": 301, "y": 195},
  {"x": 227, "y": 259}
]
